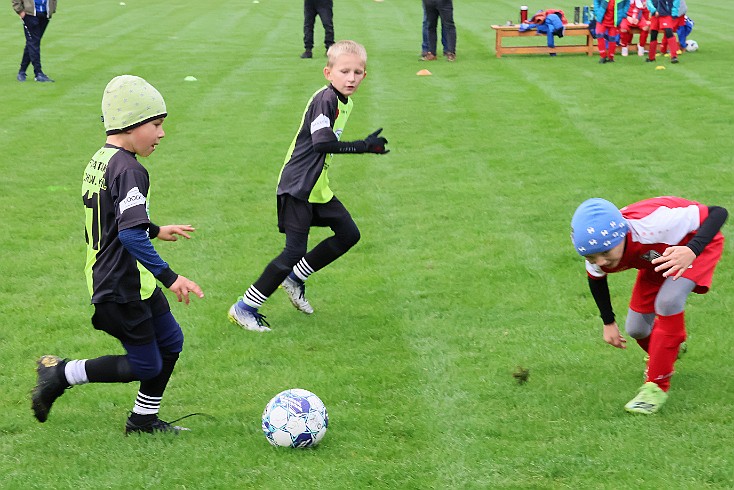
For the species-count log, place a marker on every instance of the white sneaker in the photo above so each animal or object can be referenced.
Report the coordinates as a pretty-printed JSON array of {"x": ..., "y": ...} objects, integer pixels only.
[
  {"x": 297, "y": 294},
  {"x": 247, "y": 319},
  {"x": 625, "y": 51},
  {"x": 640, "y": 50}
]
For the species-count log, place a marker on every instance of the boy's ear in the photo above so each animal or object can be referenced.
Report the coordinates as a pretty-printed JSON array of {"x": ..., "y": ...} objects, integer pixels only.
[{"x": 327, "y": 72}]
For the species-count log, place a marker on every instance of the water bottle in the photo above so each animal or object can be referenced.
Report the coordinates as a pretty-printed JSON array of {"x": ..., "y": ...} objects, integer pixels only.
[
  {"x": 576, "y": 14},
  {"x": 523, "y": 14},
  {"x": 586, "y": 14}
]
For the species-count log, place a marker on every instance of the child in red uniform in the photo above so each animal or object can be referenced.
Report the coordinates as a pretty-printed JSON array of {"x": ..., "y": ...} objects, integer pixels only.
[
  {"x": 675, "y": 244},
  {"x": 609, "y": 14},
  {"x": 637, "y": 16},
  {"x": 663, "y": 17}
]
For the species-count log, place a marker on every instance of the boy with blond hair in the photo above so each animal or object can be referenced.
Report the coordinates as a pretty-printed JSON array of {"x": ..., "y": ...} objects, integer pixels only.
[{"x": 304, "y": 196}]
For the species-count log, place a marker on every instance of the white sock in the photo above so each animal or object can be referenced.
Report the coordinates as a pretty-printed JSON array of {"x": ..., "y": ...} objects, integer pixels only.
[
  {"x": 76, "y": 372},
  {"x": 302, "y": 270},
  {"x": 147, "y": 405}
]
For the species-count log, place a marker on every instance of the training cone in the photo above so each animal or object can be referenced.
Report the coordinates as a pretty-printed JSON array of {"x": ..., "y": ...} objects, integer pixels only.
[
  {"x": 660, "y": 67},
  {"x": 424, "y": 73}
]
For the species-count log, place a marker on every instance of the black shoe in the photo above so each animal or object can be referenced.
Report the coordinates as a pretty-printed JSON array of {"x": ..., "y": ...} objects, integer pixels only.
[
  {"x": 21, "y": 76},
  {"x": 602, "y": 61},
  {"x": 610, "y": 60},
  {"x": 42, "y": 77},
  {"x": 50, "y": 385},
  {"x": 648, "y": 60},
  {"x": 149, "y": 424},
  {"x": 307, "y": 54},
  {"x": 674, "y": 60}
]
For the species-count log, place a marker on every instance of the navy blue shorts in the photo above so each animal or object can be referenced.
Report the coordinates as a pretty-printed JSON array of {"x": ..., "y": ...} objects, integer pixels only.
[{"x": 131, "y": 323}]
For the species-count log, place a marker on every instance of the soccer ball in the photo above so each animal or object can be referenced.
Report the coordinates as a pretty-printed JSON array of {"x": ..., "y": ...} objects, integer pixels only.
[
  {"x": 295, "y": 418},
  {"x": 691, "y": 46}
]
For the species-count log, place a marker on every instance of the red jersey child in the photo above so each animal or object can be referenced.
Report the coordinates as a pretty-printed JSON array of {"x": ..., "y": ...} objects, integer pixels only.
[
  {"x": 663, "y": 17},
  {"x": 609, "y": 13},
  {"x": 675, "y": 245},
  {"x": 637, "y": 16}
]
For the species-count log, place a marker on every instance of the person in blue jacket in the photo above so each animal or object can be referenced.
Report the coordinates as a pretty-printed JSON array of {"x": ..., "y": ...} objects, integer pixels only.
[
  {"x": 549, "y": 22},
  {"x": 609, "y": 14}
]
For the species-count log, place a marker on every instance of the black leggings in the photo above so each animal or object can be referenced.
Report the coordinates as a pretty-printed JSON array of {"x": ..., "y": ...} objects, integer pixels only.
[{"x": 346, "y": 235}]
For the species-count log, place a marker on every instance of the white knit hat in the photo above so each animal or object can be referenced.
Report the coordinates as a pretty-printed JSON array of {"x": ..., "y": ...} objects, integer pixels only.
[{"x": 128, "y": 102}]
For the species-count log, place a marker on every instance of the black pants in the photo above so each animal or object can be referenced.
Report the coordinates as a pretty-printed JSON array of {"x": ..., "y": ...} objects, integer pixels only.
[
  {"x": 34, "y": 27},
  {"x": 295, "y": 218},
  {"x": 322, "y": 8},
  {"x": 445, "y": 10}
]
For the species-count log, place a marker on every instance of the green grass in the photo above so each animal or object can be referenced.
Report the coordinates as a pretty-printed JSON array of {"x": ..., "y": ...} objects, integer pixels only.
[{"x": 464, "y": 272}]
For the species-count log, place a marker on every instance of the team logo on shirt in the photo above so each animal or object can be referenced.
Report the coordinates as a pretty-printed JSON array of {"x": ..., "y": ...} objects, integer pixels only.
[
  {"x": 320, "y": 122},
  {"x": 133, "y": 198}
]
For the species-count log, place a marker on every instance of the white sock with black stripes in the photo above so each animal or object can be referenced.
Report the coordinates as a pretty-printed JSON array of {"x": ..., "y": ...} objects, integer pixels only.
[
  {"x": 253, "y": 298},
  {"x": 146, "y": 404},
  {"x": 302, "y": 270}
]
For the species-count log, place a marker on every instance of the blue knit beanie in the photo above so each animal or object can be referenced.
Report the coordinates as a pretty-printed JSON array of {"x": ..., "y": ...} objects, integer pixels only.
[{"x": 597, "y": 226}]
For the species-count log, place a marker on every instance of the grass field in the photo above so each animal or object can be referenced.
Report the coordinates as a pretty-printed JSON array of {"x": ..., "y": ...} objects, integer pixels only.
[{"x": 464, "y": 272}]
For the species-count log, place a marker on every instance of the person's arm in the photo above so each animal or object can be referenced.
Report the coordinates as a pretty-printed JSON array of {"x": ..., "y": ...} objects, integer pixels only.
[
  {"x": 371, "y": 144},
  {"x": 599, "y": 288},
  {"x": 708, "y": 229},
  {"x": 677, "y": 259},
  {"x": 136, "y": 241}
]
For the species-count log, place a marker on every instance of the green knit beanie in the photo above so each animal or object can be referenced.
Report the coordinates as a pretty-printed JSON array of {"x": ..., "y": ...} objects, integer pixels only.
[{"x": 128, "y": 102}]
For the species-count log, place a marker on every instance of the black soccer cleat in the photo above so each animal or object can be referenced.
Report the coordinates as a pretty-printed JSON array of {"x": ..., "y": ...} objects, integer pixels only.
[
  {"x": 50, "y": 385},
  {"x": 149, "y": 424}
]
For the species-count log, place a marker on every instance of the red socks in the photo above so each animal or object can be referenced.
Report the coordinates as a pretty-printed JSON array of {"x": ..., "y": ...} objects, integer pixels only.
[
  {"x": 652, "y": 50},
  {"x": 667, "y": 334},
  {"x": 673, "y": 47},
  {"x": 611, "y": 49},
  {"x": 644, "y": 343}
]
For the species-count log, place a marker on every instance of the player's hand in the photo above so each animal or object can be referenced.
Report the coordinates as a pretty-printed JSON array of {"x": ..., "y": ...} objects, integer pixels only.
[
  {"x": 613, "y": 337},
  {"x": 375, "y": 143},
  {"x": 183, "y": 286},
  {"x": 676, "y": 260},
  {"x": 169, "y": 232}
]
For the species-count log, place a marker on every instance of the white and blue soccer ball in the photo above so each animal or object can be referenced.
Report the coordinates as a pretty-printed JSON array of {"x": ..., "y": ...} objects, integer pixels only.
[
  {"x": 691, "y": 45},
  {"x": 295, "y": 418}
]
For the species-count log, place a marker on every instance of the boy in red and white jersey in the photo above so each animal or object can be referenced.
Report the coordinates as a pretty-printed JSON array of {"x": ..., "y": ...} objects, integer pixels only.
[
  {"x": 675, "y": 244},
  {"x": 637, "y": 16}
]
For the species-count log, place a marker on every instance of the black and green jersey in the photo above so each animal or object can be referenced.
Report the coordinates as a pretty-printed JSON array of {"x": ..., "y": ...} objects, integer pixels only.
[
  {"x": 115, "y": 194},
  {"x": 304, "y": 173}
]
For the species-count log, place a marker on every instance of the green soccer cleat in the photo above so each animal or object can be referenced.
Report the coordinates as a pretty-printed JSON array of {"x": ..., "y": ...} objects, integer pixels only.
[{"x": 650, "y": 398}]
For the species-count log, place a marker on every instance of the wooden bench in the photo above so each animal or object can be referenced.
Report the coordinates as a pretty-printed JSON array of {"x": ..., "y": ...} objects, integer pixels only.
[{"x": 572, "y": 30}]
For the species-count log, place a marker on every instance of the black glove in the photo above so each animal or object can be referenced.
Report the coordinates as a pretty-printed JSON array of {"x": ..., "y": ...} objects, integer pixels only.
[{"x": 375, "y": 143}]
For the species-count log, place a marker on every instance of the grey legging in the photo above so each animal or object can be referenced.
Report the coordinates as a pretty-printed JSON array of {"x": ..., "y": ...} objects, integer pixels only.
[{"x": 671, "y": 300}]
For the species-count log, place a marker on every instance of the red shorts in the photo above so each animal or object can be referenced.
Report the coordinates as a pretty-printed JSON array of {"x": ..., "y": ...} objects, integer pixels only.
[
  {"x": 648, "y": 281},
  {"x": 625, "y": 25},
  {"x": 602, "y": 29},
  {"x": 660, "y": 23}
]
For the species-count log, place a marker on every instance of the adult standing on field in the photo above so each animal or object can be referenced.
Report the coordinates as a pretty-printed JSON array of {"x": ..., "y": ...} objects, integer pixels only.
[
  {"x": 675, "y": 245},
  {"x": 324, "y": 9},
  {"x": 445, "y": 10},
  {"x": 35, "y": 15}
]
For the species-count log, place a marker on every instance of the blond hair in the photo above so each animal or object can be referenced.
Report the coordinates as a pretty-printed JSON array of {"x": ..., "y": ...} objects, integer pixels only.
[{"x": 345, "y": 47}]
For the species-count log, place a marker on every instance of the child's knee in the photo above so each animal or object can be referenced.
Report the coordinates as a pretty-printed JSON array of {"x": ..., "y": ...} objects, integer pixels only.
[
  {"x": 145, "y": 369},
  {"x": 349, "y": 238},
  {"x": 638, "y": 330}
]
